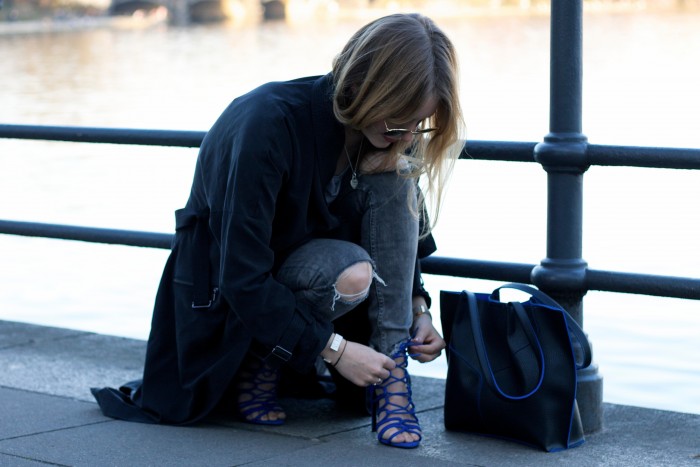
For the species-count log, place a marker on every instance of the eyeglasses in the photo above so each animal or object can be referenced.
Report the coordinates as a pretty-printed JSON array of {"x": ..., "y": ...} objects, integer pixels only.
[{"x": 400, "y": 132}]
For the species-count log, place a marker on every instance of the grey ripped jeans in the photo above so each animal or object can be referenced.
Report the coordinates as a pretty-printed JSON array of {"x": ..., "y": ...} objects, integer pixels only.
[{"x": 377, "y": 226}]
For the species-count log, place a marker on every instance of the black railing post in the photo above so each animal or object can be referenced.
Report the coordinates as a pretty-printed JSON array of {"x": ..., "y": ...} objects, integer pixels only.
[{"x": 562, "y": 273}]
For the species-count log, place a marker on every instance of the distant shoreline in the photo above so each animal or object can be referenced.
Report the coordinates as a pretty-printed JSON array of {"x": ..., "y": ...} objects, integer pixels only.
[
  {"x": 53, "y": 25},
  {"x": 88, "y": 22},
  {"x": 56, "y": 25}
]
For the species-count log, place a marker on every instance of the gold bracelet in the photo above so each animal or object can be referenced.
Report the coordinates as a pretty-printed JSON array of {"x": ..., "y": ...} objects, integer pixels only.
[{"x": 420, "y": 310}]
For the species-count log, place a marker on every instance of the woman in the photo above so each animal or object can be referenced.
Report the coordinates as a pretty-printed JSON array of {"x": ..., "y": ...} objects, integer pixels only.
[{"x": 305, "y": 205}]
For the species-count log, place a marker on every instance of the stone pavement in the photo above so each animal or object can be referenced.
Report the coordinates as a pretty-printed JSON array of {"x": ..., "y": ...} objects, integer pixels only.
[{"x": 48, "y": 417}]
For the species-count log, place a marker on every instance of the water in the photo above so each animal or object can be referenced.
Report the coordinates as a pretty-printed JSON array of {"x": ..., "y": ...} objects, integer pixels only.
[{"x": 640, "y": 85}]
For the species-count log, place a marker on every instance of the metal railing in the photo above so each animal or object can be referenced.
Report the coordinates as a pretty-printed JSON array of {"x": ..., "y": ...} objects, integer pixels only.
[
  {"x": 605, "y": 281},
  {"x": 565, "y": 154}
]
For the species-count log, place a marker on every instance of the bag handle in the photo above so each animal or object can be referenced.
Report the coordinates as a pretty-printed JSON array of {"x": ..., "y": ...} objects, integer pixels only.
[
  {"x": 482, "y": 354},
  {"x": 575, "y": 330}
]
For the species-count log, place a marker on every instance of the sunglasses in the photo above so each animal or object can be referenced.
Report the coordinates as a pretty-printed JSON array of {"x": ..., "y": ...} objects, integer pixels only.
[{"x": 400, "y": 132}]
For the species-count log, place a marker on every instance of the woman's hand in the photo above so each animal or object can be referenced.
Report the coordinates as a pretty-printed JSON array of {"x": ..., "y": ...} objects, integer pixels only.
[
  {"x": 429, "y": 343},
  {"x": 364, "y": 366}
]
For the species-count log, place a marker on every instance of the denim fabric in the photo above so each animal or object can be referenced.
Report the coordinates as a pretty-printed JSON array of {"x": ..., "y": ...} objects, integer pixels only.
[
  {"x": 312, "y": 271},
  {"x": 376, "y": 225}
]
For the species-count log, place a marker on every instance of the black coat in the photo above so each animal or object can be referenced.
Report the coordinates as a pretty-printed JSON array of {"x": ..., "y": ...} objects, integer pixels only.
[{"x": 257, "y": 194}]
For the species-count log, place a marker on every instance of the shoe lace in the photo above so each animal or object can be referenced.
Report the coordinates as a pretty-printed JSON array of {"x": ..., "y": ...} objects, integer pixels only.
[{"x": 395, "y": 414}]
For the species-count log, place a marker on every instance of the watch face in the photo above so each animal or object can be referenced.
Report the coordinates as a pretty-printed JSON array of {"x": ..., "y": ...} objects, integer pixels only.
[{"x": 335, "y": 345}]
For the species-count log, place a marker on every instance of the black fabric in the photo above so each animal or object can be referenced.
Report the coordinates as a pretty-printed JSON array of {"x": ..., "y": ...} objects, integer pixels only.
[
  {"x": 257, "y": 194},
  {"x": 512, "y": 368}
]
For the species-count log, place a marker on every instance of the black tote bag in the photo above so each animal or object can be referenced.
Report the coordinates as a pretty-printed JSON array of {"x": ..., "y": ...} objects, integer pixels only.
[{"x": 512, "y": 367}]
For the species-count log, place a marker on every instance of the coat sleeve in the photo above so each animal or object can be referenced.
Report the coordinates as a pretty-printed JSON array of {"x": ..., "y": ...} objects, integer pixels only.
[{"x": 283, "y": 329}]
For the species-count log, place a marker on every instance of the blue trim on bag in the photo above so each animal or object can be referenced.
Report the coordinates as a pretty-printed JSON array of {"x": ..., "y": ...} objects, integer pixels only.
[{"x": 493, "y": 382}]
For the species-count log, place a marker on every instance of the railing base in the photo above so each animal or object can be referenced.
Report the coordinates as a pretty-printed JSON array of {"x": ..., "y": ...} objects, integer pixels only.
[
  {"x": 589, "y": 390},
  {"x": 589, "y": 396}
]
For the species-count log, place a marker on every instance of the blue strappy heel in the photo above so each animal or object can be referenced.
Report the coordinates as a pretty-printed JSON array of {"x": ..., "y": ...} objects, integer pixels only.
[
  {"x": 257, "y": 384},
  {"x": 391, "y": 415}
]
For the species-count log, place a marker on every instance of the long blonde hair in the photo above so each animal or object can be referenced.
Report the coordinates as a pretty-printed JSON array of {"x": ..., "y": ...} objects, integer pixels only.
[{"x": 387, "y": 70}]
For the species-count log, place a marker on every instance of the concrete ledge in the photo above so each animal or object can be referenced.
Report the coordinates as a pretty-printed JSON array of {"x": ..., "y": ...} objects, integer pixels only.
[{"x": 47, "y": 415}]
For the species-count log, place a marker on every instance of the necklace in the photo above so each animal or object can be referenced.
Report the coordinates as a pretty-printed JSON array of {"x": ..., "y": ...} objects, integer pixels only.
[{"x": 353, "y": 179}]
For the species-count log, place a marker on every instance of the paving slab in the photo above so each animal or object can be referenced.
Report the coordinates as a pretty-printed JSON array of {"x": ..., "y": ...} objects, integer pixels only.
[
  {"x": 121, "y": 443},
  {"x": 656, "y": 438},
  {"x": 7, "y": 460},
  {"x": 63, "y": 362},
  {"x": 360, "y": 448},
  {"x": 47, "y": 417},
  {"x": 26, "y": 413},
  {"x": 13, "y": 334}
]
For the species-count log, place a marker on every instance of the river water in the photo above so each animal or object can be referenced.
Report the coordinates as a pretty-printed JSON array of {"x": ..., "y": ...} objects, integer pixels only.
[{"x": 640, "y": 88}]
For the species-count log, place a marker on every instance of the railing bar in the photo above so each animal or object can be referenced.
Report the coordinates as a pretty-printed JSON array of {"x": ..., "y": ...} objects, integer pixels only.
[
  {"x": 478, "y": 269},
  {"x": 87, "y": 234},
  {"x": 647, "y": 157},
  {"x": 506, "y": 151},
  {"x": 643, "y": 284},
  {"x": 605, "y": 281},
  {"x": 498, "y": 151},
  {"x": 134, "y": 136}
]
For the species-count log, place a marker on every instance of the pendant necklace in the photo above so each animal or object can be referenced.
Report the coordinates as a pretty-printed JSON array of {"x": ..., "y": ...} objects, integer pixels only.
[{"x": 353, "y": 179}]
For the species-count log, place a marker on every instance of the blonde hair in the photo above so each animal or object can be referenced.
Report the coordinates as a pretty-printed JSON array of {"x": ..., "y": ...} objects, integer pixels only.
[{"x": 386, "y": 71}]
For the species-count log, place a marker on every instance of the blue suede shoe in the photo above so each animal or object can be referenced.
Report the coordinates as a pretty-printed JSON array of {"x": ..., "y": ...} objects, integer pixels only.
[
  {"x": 386, "y": 413},
  {"x": 257, "y": 393}
]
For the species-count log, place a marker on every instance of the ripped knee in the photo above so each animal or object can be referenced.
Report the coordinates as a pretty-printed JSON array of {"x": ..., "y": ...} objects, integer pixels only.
[
  {"x": 353, "y": 283},
  {"x": 355, "y": 280}
]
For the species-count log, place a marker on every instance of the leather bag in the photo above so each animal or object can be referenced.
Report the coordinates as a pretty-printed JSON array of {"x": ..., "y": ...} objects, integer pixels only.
[{"x": 512, "y": 367}]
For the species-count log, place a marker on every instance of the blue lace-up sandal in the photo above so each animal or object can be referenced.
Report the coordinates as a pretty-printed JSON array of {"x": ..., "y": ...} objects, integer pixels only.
[
  {"x": 387, "y": 414},
  {"x": 257, "y": 393}
]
